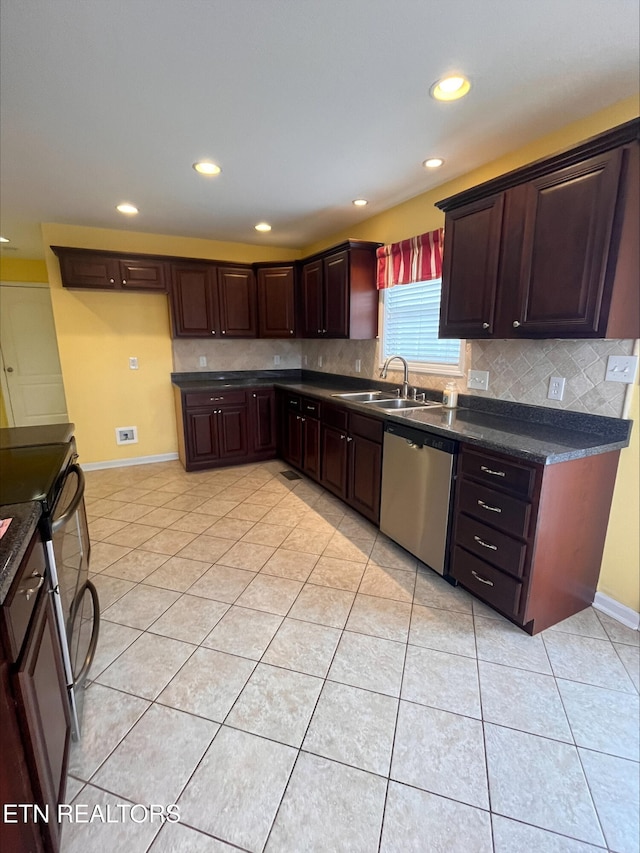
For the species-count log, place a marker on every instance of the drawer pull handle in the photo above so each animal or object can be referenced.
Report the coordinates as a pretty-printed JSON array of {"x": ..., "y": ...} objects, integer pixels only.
[
  {"x": 485, "y": 544},
  {"x": 310, "y": 408},
  {"x": 30, "y": 590},
  {"x": 482, "y": 580},
  {"x": 488, "y": 507},
  {"x": 493, "y": 473}
]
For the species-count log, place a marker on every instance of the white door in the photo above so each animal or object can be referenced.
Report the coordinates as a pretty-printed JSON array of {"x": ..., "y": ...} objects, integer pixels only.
[{"x": 32, "y": 378}]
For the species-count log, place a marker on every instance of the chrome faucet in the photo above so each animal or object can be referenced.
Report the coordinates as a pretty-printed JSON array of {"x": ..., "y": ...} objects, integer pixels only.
[{"x": 405, "y": 383}]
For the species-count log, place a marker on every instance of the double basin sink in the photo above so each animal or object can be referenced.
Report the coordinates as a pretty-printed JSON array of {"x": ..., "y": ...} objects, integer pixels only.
[{"x": 380, "y": 400}]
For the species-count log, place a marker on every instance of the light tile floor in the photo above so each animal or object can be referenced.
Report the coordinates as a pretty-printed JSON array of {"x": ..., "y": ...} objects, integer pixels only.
[{"x": 294, "y": 681}]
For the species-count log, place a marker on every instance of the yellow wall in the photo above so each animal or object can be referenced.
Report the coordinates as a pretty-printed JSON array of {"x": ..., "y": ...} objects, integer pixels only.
[
  {"x": 419, "y": 214},
  {"x": 620, "y": 572},
  {"x": 99, "y": 331}
]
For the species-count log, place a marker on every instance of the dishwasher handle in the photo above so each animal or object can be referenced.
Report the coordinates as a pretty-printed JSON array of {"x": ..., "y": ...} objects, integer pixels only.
[{"x": 422, "y": 438}]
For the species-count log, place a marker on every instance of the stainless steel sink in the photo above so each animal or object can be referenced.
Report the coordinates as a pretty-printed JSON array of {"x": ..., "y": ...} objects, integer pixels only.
[
  {"x": 364, "y": 396},
  {"x": 398, "y": 403}
]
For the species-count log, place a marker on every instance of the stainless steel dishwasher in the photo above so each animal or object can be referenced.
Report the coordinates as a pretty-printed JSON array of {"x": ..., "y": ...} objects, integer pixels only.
[{"x": 417, "y": 472}]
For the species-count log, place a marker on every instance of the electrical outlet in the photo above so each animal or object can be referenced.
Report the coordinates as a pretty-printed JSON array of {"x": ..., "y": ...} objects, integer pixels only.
[
  {"x": 478, "y": 380},
  {"x": 621, "y": 368},
  {"x": 358, "y": 365},
  {"x": 202, "y": 361},
  {"x": 319, "y": 361},
  {"x": 556, "y": 387},
  {"x": 133, "y": 362},
  {"x": 127, "y": 435},
  {"x": 276, "y": 359}
]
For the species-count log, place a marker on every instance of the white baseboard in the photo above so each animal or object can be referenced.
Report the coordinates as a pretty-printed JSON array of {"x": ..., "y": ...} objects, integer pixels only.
[
  {"x": 617, "y": 611},
  {"x": 122, "y": 463}
]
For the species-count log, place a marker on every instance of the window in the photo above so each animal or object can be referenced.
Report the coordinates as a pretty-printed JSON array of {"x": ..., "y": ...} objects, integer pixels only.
[{"x": 409, "y": 316}]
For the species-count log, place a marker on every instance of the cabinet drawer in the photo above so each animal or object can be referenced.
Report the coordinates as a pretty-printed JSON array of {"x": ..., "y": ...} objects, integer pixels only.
[
  {"x": 310, "y": 408},
  {"x": 370, "y": 428},
  {"x": 334, "y": 417},
  {"x": 292, "y": 402},
  {"x": 499, "y": 472},
  {"x": 495, "y": 508},
  {"x": 503, "y": 551},
  {"x": 21, "y": 599},
  {"x": 489, "y": 584},
  {"x": 222, "y": 396}
]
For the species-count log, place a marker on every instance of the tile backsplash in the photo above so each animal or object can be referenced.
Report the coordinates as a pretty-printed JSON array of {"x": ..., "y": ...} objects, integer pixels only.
[
  {"x": 519, "y": 371},
  {"x": 234, "y": 355}
]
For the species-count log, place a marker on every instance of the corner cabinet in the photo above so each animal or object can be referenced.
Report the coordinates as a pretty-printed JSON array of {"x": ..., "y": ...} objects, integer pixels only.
[
  {"x": 528, "y": 539},
  {"x": 212, "y": 301},
  {"x": 338, "y": 293},
  {"x": 82, "y": 269},
  {"x": 549, "y": 250},
  {"x": 276, "y": 287}
]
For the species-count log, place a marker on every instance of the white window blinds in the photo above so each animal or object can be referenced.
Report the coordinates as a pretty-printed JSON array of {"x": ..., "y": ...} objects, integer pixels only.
[{"x": 410, "y": 326}]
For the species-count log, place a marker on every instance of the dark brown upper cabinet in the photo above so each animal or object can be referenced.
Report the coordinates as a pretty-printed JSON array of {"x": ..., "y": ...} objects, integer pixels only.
[
  {"x": 276, "y": 301},
  {"x": 338, "y": 293},
  {"x": 94, "y": 270},
  {"x": 212, "y": 302},
  {"x": 549, "y": 250}
]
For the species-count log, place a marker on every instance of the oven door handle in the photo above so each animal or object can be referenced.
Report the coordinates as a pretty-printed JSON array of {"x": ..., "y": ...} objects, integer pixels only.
[
  {"x": 60, "y": 522},
  {"x": 95, "y": 628}
]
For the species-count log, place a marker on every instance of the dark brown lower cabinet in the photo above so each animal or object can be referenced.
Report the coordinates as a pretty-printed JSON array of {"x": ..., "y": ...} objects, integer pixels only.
[
  {"x": 223, "y": 427},
  {"x": 36, "y": 727},
  {"x": 528, "y": 539},
  {"x": 351, "y": 454}
]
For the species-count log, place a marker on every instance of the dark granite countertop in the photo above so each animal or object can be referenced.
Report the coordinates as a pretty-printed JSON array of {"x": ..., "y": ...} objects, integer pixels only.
[
  {"x": 14, "y": 543},
  {"x": 535, "y": 433}
]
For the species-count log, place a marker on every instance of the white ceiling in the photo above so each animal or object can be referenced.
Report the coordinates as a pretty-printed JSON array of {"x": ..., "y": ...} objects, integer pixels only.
[{"x": 306, "y": 105}]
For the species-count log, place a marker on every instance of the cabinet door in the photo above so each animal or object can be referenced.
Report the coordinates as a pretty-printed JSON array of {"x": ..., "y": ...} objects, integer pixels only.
[
  {"x": 194, "y": 301},
  {"x": 311, "y": 293},
  {"x": 276, "y": 302},
  {"x": 232, "y": 431},
  {"x": 333, "y": 455},
  {"x": 470, "y": 269},
  {"x": 201, "y": 436},
  {"x": 263, "y": 421},
  {"x": 237, "y": 295},
  {"x": 336, "y": 295},
  {"x": 311, "y": 447},
  {"x": 42, "y": 696},
  {"x": 84, "y": 269},
  {"x": 293, "y": 445},
  {"x": 143, "y": 275},
  {"x": 568, "y": 222},
  {"x": 365, "y": 472}
]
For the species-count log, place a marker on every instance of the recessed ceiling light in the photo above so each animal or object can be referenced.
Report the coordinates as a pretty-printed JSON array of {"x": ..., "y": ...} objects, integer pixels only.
[
  {"x": 360, "y": 202},
  {"x": 205, "y": 167},
  {"x": 4, "y": 240},
  {"x": 127, "y": 208},
  {"x": 263, "y": 226},
  {"x": 450, "y": 88},
  {"x": 433, "y": 162}
]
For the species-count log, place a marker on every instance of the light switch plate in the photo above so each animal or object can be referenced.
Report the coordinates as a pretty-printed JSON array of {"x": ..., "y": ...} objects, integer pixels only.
[
  {"x": 478, "y": 380},
  {"x": 133, "y": 362},
  {"x": 621, "y": 368},
  {"x": 202, "y": 361},
  {"x": 556, "y": 388}
]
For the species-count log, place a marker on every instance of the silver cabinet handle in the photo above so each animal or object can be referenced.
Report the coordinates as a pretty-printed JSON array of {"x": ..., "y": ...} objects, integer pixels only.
[
  {"x": 212, "y": 332},
  {"x": 485, "y": 325},
  {"x": 319, "y": 331},
  {"x": 482, "y": 580},
  {"x": 324, "y": 331},
  {"x": 254, "y": 395},
  {"x": 112, "y": 281},
  {"x": 342, "y": 437},
  {"x": 124, "y": 281},
  {"x": 489, "y": 507},
  {"x": 290, "y": 331},
  {"x": 224, "y": 332},
  {"x": 30, "y": 590},
  {"x": 493, "y": 473},
  {"x": 485, "y": 544},
  {"x": 349, "y": 438},
  {"x": 516, "y": 323}
]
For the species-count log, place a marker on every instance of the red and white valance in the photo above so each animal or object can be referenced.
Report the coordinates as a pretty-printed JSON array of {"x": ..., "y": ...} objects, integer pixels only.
[{"x": 416, "y": 259}]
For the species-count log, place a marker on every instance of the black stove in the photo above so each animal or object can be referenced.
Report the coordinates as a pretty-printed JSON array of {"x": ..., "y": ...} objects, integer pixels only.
[
  {"x": 34, "y": 473},
  {"x": 31, "y": 436}
]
